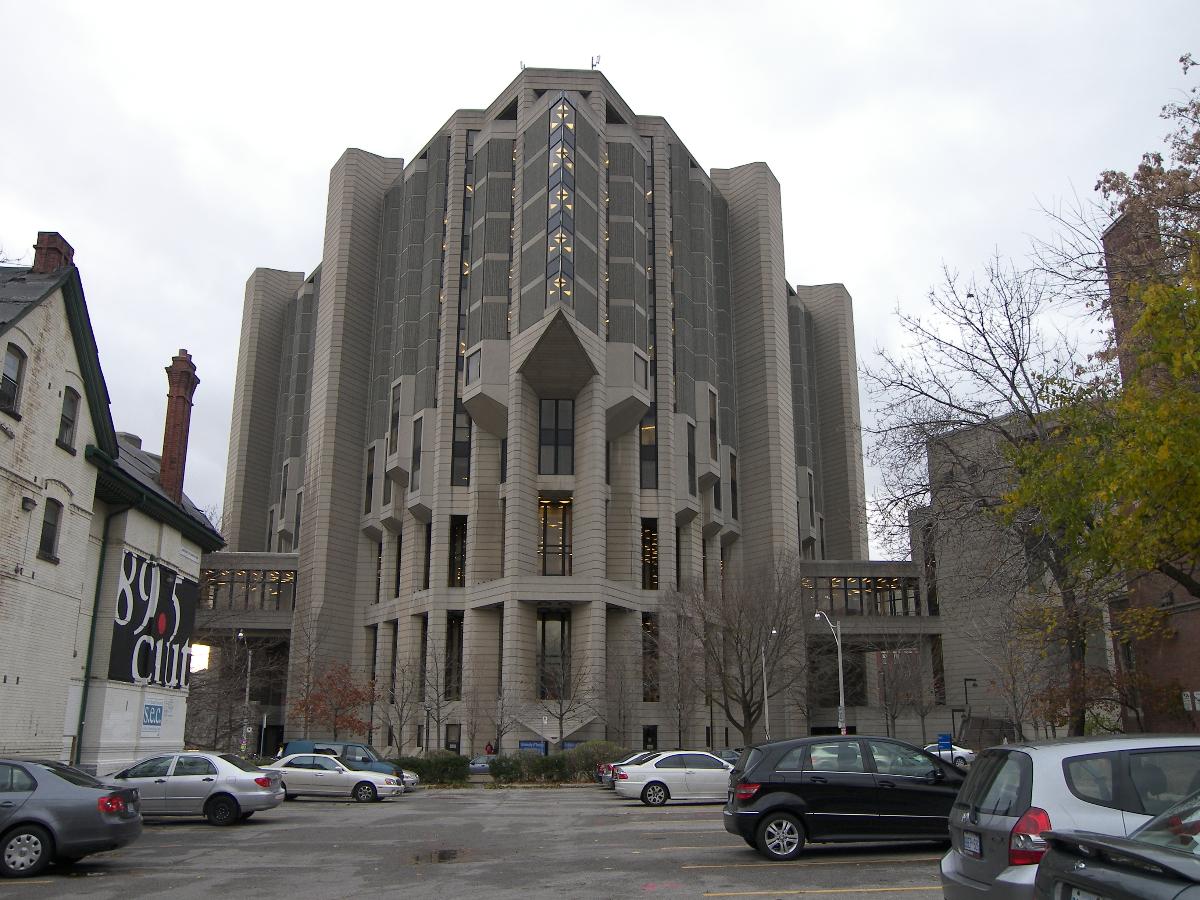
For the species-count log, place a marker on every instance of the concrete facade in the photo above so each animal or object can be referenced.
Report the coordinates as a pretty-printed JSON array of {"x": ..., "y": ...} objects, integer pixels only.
[{"x": 548, "y": 371}]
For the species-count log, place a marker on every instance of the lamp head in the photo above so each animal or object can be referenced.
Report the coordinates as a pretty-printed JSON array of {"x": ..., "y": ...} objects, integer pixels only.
[{"x": 241, "y": 635}]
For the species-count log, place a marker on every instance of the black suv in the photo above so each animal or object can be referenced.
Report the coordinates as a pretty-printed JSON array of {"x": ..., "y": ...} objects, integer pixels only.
[{"x": 838, "y": 789}]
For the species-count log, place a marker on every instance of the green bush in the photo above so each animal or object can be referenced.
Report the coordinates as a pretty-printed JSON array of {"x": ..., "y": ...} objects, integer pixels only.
[
  {"x": 439, "y": 767},
  {"x": 581, "y": 761},
  {"x": 549, "y": 769},
  {"x": 507, "y": 769}
]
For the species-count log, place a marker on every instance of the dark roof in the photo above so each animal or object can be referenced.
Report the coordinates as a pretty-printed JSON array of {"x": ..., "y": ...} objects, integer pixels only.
[{"x": 128, "y": 475}]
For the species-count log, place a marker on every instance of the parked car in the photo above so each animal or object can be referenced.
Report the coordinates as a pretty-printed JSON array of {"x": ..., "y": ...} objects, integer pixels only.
[
  {"x": 219, "y": 786},
  {"x": 481, "y": 765},
  {"x": 1017, "y": 792},
  {"x": 357, "y": 755},
  {"x": 960, "y": 756},
  {"x": 330, "y": 776},
  {"x": 679, "y": 775},
  {"x": 604, "y": 771},
  {"x": 785, "y": 793},
  {"x": 1160, "y": 859},
  {"x": 53, "y": 812},
  {"x": 730, "y": 754}
]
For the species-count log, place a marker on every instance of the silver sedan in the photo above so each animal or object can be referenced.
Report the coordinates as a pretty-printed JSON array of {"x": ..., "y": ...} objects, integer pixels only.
[
  {"x": 219, "y": 786},
  {"x": 318, "y": 775}
]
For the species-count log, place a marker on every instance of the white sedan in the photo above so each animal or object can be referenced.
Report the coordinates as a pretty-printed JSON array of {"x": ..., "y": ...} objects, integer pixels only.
[
  {"x": 960, "y": 756},
  {"x": 320, "y": 775},
  {"x": 678, "y": 775}
]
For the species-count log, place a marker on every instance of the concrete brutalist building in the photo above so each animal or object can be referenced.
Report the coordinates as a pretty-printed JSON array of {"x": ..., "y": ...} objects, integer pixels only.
[{"x": 547, "y": 370}]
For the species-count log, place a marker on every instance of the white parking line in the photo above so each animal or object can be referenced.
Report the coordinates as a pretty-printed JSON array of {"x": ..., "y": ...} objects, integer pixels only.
[
  {"x": 936, "y": 890},
  {"x": 816, "y": 862}
]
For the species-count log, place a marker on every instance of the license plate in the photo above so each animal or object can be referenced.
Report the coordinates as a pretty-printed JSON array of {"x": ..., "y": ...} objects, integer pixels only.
[
  {"x": 970, "y": 844},
  {"x": 1079, "y": 894}
]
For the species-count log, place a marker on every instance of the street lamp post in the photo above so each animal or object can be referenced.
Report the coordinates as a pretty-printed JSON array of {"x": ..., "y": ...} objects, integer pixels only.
[
  {"x": 241, "y": 635},
  {"x": 966, "y": 698},
  {"x": 766, "y": 693},
  {"x": 837, "y": 639}
]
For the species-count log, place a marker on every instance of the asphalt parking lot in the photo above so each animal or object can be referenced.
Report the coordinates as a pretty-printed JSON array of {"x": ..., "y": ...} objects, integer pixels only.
[{"x": 565, "y": 842}]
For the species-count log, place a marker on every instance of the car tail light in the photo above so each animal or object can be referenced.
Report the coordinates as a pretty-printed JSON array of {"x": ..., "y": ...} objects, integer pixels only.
[
  {"x": 746, "y": 790},
  {"x": 113, "y": 803},
  {"x": 1026, "y": 846},
  {"x": 620, "y": 774},
  {"x": 263, "y": 780}
]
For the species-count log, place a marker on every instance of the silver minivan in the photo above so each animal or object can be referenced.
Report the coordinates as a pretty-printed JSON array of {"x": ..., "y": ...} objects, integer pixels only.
[{"x": 1017, "y": 791}]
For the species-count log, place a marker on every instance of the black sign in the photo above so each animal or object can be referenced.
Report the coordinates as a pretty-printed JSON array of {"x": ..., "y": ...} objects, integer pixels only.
[{"x": 152, "y": 628}]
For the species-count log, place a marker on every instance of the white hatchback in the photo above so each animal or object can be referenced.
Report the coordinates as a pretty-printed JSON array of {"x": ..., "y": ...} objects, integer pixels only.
[{"x": 678, "y": 775}]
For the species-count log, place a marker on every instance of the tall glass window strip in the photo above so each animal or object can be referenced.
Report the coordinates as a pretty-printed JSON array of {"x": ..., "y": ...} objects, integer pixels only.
[
  {"x": 270, "y": 530},
  {"x": 717, "y": 495},
  {"x": 460, "y": 459},
  {"x": 428, "y": 556},
  {"x": 554, "y": 536},
  {"x": 733, "y": 497},
  {"x": 423, "y": 674},
  {"x": 457, "y": 576},
  {"x": 691, "y": 459},
  {"x": 51, "y": 520},
  {"x": 554, "y": 653},
  {"x": 394, "y": 420},
  {"x": 650, "y": 644},
  {"x": 464, "y": 283},
  {"x": 712, "y": 425},
  {"x": 283, "y": 486},
  {"x": 370, "y": 481},
  {"x": 556, "y": 454},
  {"x": 648, "y": 450},
  {"x": 649, "y": 554},
  {"x": 392, "y": 666},
  {"x": 503, "y": 460},
  {"x": 560, "y": 205},
  {"x": 454, "y": 655},
  {"x": 378, "y": 570},
  {"x": 414, "y": 472},
  {"x": 399, "y": 561},
  {"x": 296, "y": 522}
]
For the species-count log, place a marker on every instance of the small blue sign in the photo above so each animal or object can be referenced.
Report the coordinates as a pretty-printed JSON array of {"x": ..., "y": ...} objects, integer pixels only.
[
  {"x": 152, "y": 719},
  {"x": 536, "y": 746},
  {"x": 944, "y": 742},
  {"x": 570, "y": 745}
]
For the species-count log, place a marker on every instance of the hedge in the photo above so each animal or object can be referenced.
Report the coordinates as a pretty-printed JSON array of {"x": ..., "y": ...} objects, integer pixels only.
[
  {"x": 574, "y": 765},
  {"x": 439, "y": 767}
]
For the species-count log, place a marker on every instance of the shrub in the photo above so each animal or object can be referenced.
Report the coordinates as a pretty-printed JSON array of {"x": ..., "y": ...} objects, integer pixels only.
[
  {"x": 552, "y": 768},
  {"x": 507, "y": 769},
  {"x": 581, "y": 761},
  {"x": 439, "y": 767}
]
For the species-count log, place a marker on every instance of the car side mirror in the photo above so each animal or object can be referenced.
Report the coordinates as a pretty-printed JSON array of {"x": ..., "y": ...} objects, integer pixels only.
[{"x": 938, "y": 774}]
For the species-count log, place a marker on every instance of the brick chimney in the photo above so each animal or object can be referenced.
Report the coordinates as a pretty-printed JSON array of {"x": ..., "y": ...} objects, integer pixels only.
[
  {"x": 181, "y": 384},
  {"x": 51, "y": 253}
]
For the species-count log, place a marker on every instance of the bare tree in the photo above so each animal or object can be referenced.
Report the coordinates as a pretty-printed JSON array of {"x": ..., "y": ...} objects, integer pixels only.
[
  {"x": 502, "y": 716},
  {"x": 400, "y": 707},
  {"x": 754, "y": 625},
  {"x": 567, "y": 694},
  {"x": 438, "y": 690}
]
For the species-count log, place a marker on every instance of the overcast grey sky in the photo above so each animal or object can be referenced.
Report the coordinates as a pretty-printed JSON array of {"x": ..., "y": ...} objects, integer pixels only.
[{"x": 178, "y": 146}]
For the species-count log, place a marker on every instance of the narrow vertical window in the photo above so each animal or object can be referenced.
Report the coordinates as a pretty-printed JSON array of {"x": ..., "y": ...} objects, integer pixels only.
[
  {"x": 387, "y": 490},
  {"x": 691, "y": 459},
  {"x": 457, "y": 576},
  {"x": 678, "y": 557},
  {"x": 704, "y": 560},
  {"x": 554, "y": 653},
  {"x": 648, "y": 450},
  {"x": 423, "y": 674},
  {"x": 554, "y": 543},
  {"x": 454, "y": 655},
  {"x": 812, "y": 501},
  {"x": 503, "y": 525},
  {"x": 650, "y": 692},
  {"x": 608, "y": 462},
  {"x": 394, "y": 420},
  {"x": 556, "y": 452},
  {"x": 414, "y": 472},
  {"x": 712, "y": 425},
  {"x": 717, "y": 495},
  {"x": 428, "y": 552},
  {"x": 392, "y": 667},
  {"x": 296, "y": 527},
  {"x": 67, "y": 421},
  {"x": 370, "y": 479},
  {"x": 270, "y": 530},
  {"x": 649, "y": 554},
  {"x": 733, "y": 497},
  {"x": 399, "y": 562},
  {"x": 378, "y": 570},
  {"x": 460, "y": 459},
  {"x": 503, "y": 460},
  {"x": 48, "y": 547},
  {"x": 283, "y": 486},
  {"x": 10, "y": 381}
]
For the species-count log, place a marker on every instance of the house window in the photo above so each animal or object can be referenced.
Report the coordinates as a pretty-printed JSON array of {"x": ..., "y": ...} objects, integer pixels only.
[
  {"x": 370, "y": 479},
  {"x": 557, "y": 441},
  {"x": 454, "y": 655},
  {"x": 554, "y": 540},
  {"x": 457, "y": 577},
  {"x": 68, "y": 420},
  {"x": 650, "y": 693},
  {"x": 691, "y": 459},
  {"x": 48, "y": 548},
  {"x": 649, "y": 554},
  {"x": 414, "y": 476},
  {"x": 394, "y": 422},
  {"x": 460, "y": 459},
  {"x": 10, "y": 382},
  {"x": 554, "y": 652}
]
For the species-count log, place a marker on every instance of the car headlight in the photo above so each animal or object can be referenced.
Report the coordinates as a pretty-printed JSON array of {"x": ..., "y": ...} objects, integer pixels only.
[{"x": 389, "y": 781}]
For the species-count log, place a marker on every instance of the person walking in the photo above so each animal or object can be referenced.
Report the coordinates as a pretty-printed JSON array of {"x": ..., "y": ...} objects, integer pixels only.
[{"x": 489, "y": 749}]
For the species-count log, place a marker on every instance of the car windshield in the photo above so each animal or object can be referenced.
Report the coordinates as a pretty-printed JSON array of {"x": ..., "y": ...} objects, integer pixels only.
[
  {"x": 240, "y": 763},
  {"x": 350, "y": 764},
  {"x": 71, "y": 774},
  {"x": 1177, "y": 828}
]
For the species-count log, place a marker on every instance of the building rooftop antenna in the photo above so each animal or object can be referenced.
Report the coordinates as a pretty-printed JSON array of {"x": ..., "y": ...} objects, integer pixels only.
[{"x": 595, "y": 61}]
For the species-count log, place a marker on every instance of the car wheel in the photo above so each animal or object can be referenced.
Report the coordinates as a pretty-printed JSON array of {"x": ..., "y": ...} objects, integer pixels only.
[
  {"x": 25, "y": 851},
  {"x": 780, "y": 836},
  {"x": 655, "y": 794},
  {"x": 221, "y": 810},
  {"x": 286, "y": 795},
  {"x": 960, "y": 761},
  {"x": 364, "y": 792}
]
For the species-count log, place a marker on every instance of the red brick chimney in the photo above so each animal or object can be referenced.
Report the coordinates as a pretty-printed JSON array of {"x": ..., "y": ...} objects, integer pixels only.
[
  {"x": 51, "y": 253},
  {"x": 181, "y": 384}
]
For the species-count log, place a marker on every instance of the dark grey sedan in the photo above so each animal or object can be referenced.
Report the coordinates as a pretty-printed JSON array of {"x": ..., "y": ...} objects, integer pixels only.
[
  {"x": 1159, "y": 861},
  {"x": 53, "y": 812}
]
